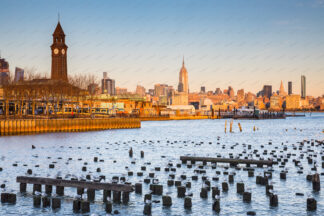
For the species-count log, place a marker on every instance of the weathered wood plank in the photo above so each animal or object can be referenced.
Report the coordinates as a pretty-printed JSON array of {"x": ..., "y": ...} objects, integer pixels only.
[
  {"x": 227, "y": 160},
  {"x": 73, "y": 183}
]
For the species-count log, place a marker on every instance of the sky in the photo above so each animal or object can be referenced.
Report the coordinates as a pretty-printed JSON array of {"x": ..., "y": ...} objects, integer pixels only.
[{"x": 239, "y": 43}]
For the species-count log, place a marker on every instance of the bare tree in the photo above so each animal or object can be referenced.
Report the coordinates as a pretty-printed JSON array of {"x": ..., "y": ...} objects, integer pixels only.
[
  {"x": 32, "y": 73},
  {"x": 82, "y": 81}
]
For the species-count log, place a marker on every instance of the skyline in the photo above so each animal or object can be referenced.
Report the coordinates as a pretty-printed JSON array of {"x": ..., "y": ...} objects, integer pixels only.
[{"x": 148, "y": 54}]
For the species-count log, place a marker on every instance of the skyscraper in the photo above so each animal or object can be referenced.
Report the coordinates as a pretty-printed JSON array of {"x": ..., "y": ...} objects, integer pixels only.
[
  {"x": 160, "y": 90},
  {"x": 282, "y": 90},
  {"x": 267, "y": 91},
  {"x": 140, "y": 90},
  {"x": 289, "y": 87},
  {"x": 4, "y": 72},
  {"x": 303, "y": 87},
  {"x": 183, "y": 79},
  {"x": 59, "y": 52},
  {"x": 230, "y": 92},
  {"x": 240, "y": 95},
  {"x": 202, "y": 89},
  {"x": 107, "y": 85},
  {"x": 218, "y": 91},
  {"x": 19, "y": 74}
]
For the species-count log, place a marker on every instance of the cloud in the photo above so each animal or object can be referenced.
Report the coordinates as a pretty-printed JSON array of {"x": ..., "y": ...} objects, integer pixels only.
[
  {"x": 311, "y": 3},
  {"x": 318, "y": 3}
]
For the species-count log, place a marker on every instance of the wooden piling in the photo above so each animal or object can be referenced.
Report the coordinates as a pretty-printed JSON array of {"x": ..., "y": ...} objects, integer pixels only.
[
  {"x": 226, "y": 160},
  {"x": 239, "y": 124},
  {"x": 231, "y": 126}
]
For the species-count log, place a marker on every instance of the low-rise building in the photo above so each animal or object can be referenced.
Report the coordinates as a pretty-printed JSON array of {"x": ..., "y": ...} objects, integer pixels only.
[
  {"x": 179, "y": 110},
  {"x": 275, "y": 102},
  {"x": 179, "y": 98},
  {"x": 293, "y": 102}
]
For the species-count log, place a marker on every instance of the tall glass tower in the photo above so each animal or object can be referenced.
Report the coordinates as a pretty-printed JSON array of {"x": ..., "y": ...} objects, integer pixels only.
[{"x": 303, "y": 87}]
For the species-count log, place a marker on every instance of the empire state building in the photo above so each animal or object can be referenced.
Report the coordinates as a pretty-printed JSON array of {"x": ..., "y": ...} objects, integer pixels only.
[{"x": 183, "y": 79}]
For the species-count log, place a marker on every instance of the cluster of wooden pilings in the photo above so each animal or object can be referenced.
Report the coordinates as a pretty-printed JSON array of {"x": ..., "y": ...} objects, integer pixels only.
[
  {"x": 32, "y": 126},
  {"x": 118, "y": 192},
  {"x": 226, "y": 170}
]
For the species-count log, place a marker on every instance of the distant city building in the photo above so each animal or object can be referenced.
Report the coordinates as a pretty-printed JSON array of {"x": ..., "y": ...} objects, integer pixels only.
[
  {"x": 209, "y": 93},
  {"x": 230, "y": 92},
  {"x": 107, "y": 85},
  {"x": 259, "y": 103},
  {"x": 121, "y": 91},
  {"x": 267, "y": 91},
  {"x": 275, "y": 102},
  {"x": 183, "y": 79},
  {"x": 218, "y": 91},
  {"x": 303, "y": 87},
  {"x": 93, "y": 89},
  {"x": 179, "y": 98},
  {"x": 202, "y": 89},
  {"x": 19, "y": 75},
  {"x": 140, "y": 90},
  {"x": 282, "y": 90},
  {"x": 4, "y": 72},
  {"x": 250, "y": 97},
  {"x": 289, "y": 88},
  {"x": 304, "y": 103},
  {"x": 160, "y": 90},
  {"x": 170, "y": 91},
  {"x": 240, "y": 95},
  {"x": 163, "y": 100},
  {"x": 205, "y": 104},
  {"x": 292, "y": 102},
  {"x": 151, "y": 92}
]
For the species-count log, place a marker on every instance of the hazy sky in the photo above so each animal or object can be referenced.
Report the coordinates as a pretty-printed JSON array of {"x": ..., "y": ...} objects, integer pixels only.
[{"x": 242, "y": 43}]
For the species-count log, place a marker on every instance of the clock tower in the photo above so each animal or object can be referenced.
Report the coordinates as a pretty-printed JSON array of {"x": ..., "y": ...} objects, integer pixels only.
[{"x": 59, "y": 48}]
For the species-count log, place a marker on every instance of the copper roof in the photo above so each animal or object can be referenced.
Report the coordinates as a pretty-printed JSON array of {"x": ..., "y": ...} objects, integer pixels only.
[{"x": 58, "y": 30}]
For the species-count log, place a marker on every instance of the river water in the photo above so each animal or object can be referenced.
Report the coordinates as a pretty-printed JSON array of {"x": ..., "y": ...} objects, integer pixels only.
[{"x": 164, "y": 142}]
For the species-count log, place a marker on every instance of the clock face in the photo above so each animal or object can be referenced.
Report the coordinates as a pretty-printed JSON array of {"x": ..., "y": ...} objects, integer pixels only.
[
  {"x": 63, "y": 51},
  {"x": 56, "y": 51}
]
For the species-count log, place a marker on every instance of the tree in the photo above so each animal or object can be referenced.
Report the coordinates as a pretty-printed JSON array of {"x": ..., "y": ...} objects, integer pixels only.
[{"x": 32, "y": 73}]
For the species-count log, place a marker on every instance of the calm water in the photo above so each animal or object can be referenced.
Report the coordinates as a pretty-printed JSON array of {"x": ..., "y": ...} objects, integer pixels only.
[{"x": 165, "y": 142}]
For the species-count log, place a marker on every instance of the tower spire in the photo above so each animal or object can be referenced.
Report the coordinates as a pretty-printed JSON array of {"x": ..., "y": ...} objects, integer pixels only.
[
  {"x": 183, "y": 61},
  {"x": 58, "y": 17}
]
